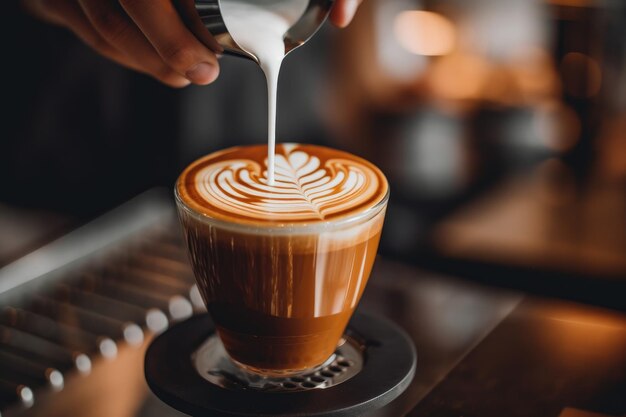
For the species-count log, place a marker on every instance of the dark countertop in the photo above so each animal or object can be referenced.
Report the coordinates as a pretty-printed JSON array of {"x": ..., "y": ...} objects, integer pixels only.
[{"x": 482, "y": 351}]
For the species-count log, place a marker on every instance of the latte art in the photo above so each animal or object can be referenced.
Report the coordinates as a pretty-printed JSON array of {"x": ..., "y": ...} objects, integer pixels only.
[
  {"x": 311, "y": 184},
  {"x": 302, "y": 188}
]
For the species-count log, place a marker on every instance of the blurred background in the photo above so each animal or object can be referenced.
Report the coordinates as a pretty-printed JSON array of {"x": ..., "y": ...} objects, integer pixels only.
[{"x": 501, "y": 125}]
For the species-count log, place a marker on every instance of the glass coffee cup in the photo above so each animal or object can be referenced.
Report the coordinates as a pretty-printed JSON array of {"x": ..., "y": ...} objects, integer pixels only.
[{"x": 281, "y": 267}]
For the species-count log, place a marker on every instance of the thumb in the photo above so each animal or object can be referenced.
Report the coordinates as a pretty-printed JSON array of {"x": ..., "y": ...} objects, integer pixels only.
[{"x": 343, "y": 11}]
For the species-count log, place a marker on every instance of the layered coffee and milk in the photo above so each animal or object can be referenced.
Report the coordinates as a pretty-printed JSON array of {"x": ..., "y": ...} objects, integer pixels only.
[{"x": 281, "y": 266}]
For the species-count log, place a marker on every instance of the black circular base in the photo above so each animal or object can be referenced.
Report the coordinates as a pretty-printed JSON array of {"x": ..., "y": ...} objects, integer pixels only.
[{"x": 389, "y": 367}]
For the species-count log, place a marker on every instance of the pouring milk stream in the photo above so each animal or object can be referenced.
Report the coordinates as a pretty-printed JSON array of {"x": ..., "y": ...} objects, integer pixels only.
[{"x": 259, "y": 26}]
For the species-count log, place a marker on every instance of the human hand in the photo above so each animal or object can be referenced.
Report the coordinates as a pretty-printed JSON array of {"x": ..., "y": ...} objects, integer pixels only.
[
  {"x": 133, "y": 34},
  {"x": 343, "y": 11}
]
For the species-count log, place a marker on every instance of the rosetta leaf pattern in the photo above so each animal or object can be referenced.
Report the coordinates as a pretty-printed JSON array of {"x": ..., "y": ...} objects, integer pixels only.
[
  {"x": 305, "y": 187},
  {"x": 299, "y": 169}
]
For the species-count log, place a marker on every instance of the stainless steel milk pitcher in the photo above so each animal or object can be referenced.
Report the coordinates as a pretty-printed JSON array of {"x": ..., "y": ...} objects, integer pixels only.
[{"x": 205, "y": 19}]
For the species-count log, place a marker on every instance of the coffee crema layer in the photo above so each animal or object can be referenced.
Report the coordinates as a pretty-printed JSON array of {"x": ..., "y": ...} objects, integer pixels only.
[{"x": 312, "y": 184}]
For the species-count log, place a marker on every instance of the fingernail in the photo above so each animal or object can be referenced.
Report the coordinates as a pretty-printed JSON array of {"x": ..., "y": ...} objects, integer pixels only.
[
  {"x": 202, "y": 73},
  {"x": 350, "y": 10},
  {"x": 183, "y": 82}
]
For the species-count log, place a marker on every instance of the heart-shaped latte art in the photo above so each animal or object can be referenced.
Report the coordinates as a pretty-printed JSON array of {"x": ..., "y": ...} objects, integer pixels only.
[{"x": 306, "y": 187}]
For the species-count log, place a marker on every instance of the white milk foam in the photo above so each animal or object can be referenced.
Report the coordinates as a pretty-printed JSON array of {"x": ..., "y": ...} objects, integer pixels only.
[
  {"x": 304, "y": 189},
  {"x": 259, "y": 27}
]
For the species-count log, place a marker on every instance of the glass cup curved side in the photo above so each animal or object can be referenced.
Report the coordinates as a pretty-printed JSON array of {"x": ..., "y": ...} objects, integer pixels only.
[{"x": 281, "y": 298}]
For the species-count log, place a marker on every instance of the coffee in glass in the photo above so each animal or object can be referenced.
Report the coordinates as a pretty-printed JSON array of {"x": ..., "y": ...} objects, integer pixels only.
[{"x": 281, "y": 266}]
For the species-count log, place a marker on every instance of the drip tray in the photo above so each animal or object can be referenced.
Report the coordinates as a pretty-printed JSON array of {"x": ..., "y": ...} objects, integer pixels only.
[
  {"x": 212, "y": 363},
  {"x": 186, "y": 368}
]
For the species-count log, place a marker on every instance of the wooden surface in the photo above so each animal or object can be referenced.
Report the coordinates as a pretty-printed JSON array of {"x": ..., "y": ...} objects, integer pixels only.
[{"x": 546, "y": 359}]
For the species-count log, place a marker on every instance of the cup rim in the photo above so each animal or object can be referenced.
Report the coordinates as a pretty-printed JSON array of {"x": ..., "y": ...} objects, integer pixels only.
[{"x": 287, "y": 227}]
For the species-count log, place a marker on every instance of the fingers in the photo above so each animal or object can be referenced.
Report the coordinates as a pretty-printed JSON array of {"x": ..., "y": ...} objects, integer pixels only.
[
  {"x": 50, "y": 11},
  {"x": 68, "y": 13},
  {"x": 343, "y": 11},
  {"x": 118, "y": 30},
  {"x": 177, "y": 46},
  {"x": 145, "y": 35}
]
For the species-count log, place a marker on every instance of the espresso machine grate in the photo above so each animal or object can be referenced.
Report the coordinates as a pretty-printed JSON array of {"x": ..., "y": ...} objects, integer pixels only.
[{"x": 83, "y": 308}]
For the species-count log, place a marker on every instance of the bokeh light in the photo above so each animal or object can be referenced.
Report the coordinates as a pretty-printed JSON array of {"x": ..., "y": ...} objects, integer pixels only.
[
  {"x": 425, "y": 33},
  {"x": 459, "y": 76}
]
